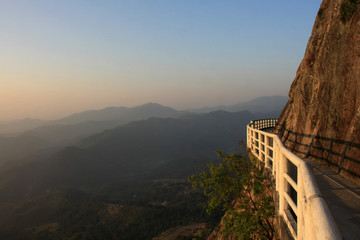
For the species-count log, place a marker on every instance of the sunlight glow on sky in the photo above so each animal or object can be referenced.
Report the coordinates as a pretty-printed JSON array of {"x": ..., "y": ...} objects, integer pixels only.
[{"x": 61, "y": 57}]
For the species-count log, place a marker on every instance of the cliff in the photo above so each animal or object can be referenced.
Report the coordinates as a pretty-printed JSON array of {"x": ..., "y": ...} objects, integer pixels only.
[{"x": 322, "y": 117}]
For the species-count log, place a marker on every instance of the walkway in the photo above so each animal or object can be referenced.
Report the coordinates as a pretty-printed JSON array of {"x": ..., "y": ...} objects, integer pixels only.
[
  {"x": 342, "y": 196},
  {"x": 302, "y": 209}
]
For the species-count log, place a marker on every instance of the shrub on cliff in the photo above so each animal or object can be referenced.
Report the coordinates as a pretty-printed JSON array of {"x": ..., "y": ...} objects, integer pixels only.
[
  {"x": 348, "y": 9},
  {"x": 244, "y": 192}
]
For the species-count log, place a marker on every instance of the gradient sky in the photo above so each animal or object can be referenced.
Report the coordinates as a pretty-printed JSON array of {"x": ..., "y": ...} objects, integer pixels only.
[{"x": 61, "y": 57}]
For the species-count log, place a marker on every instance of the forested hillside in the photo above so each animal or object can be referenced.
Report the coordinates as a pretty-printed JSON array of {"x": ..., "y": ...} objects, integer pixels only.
[{"x": 128, "y": 182}]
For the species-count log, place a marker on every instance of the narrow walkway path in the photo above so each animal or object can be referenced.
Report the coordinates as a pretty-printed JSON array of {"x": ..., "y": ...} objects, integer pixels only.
[{"x": 342, "y": 196}]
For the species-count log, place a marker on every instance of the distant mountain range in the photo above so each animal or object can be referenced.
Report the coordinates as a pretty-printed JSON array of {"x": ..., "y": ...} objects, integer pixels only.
[
  {"x": 71, "y": 129},
  {"x": 68, "y": 175},
  {"x": 66, "y": 131},
  {"x": 152, "y": 148},
  {"x": 45, "y": 137},
  {"x": 110, "y": 114},
  {"x": 8, "y": 129},
  {"x": 124, "y": 114},
  {"x": 262, "y": 104}
]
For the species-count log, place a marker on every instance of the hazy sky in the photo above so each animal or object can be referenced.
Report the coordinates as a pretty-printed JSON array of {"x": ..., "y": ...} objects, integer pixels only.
[{"x": 60, "y": 57}]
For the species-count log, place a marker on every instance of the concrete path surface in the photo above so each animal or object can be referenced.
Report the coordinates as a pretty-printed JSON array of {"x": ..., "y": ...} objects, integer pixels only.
[{"x": 342, "y": 196}]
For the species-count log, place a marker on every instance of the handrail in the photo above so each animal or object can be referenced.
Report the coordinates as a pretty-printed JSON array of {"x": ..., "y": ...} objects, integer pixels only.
[
  {"x": 325, "y": 145},
  {"x": 301, "y": 205}
]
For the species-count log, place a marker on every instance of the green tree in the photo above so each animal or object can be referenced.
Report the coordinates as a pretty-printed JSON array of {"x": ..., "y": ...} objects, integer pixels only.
[{"x": 243, "y": 190}]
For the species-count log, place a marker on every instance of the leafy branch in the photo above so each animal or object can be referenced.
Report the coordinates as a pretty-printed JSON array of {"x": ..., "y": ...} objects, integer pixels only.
[{"x": 242, "y": 190}]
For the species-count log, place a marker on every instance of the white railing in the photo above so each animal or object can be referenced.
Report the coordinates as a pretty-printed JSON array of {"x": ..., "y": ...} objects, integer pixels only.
[{"x": 301, "y": 206}]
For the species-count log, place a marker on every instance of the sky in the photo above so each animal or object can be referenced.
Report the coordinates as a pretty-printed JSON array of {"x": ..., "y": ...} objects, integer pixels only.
[{"x": 62, "y": 57}]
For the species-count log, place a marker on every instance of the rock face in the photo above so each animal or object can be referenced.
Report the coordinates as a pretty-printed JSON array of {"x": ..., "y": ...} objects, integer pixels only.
[{"x": 322, "y": 118}]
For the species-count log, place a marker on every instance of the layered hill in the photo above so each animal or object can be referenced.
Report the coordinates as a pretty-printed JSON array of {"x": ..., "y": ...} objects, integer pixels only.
[
  {"x": 128, "y": 182},
  {"x": 109, "y": 114},
  {"x": 262, "y": 104},
  {"x": 43, "y": 138},
  {"x": 322, "y": 118},
  {"x": 147, "y": 149},
  {"x": 125, "y": 115},
  {"x": 121, "y": 113},
  {"x": 53, "y": 135}
]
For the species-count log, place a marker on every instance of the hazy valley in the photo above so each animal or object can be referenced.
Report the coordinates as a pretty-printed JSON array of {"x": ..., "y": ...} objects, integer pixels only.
[{"x": 117, "y": 171}]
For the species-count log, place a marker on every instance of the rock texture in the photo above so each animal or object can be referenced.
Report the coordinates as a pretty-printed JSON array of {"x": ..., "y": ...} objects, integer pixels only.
[{"x": 322, "y": 117}]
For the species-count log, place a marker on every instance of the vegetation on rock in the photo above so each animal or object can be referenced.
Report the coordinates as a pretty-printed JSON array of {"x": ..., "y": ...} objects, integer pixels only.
[
  {"x": 320, "y": 12},
  {"x": 243, "y": 190},
  {"x": 348, "y": 9}
]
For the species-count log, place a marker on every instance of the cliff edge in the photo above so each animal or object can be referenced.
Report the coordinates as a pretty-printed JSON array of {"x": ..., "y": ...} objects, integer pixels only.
[{"x": 322, "y": 117}]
